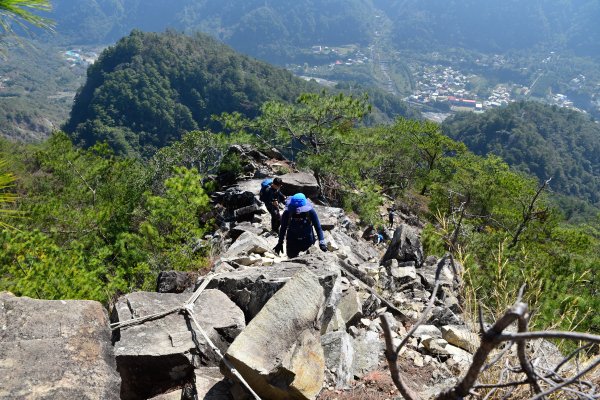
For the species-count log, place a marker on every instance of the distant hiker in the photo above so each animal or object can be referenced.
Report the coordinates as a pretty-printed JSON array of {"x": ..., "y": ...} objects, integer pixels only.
[
  {"x": 379, "y": 238},
  {"x": 270, "y": 195},
  {"x": 391, "y": 215},
  {"x": 297, "y": 222}
]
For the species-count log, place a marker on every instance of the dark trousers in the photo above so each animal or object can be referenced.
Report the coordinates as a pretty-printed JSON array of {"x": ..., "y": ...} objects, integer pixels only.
[
  {"x": 275, "y": 219},
  {"x": 293, "y": 248}
]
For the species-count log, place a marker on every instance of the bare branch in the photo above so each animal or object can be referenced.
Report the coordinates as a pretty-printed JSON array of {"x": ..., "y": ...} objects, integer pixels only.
[
  {"x": 550, "y": 335},
  {"x": 528, "y": 214},
  {"x": 392, "y": 359},
  {"x": 568, "y": 382}
]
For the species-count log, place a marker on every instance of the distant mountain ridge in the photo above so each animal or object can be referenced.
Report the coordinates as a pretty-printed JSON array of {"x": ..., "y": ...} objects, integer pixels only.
[
  {"x": 269, "y": 29},
  {"x": 261, "y": 28},
  {"x": 496, "y": 26}
]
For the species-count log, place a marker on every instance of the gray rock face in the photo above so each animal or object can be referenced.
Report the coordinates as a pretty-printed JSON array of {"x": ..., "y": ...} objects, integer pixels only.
[
  {"x": 350, "y": 307},
  {"x": 175, "y": 281},
  {"x": 405, "y": 246},
  {"x": 352, "y": 250},
  {"x": 252, "y": 186},
  {"x": 55, "y": 349},
  {"x": 300, "y": 182},
  {"x": 246, "y": 244},
  {"x": 329, "y": 216},
  {"x": 339, "y": 358},
  {"x": 279, "y": 352},
  {"x": 367, "y": 350},
  {"x": 251, "y": 288},
  {"x": 242, "y": 227},
  {"x": 160, "y": 355},
  {"x": 428, "y": 273}
]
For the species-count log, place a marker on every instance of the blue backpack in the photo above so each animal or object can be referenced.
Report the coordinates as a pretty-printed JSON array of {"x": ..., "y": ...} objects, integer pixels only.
[{"x": 263, "y": 186}]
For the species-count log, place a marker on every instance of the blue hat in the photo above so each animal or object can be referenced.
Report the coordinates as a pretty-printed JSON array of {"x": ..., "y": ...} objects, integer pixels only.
[{"x": 298, "y": 200}]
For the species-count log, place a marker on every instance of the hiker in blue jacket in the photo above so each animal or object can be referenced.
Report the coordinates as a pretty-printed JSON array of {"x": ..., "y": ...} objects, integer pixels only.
[
  {"x": 297, "y": 223},
  {"x": 271, "y": 195}
]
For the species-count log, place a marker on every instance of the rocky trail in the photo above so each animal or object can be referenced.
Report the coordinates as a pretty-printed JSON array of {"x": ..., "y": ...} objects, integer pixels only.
[{"x": 301, "y": 328}]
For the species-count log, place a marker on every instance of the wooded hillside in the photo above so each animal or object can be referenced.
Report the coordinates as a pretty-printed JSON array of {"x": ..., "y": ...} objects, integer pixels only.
[{"x": 546, "y": 141}]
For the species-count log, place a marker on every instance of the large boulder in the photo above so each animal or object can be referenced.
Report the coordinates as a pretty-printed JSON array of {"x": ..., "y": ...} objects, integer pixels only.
[
  {"x": 251, "y": 288},
  {"x": 428, "y": 273},
  {"x": 405, "y": 246},
  {"x": 368, "y": 348},
  {"x": 300, "y": 182},
  {"x": 279, "y": 353},
  {"x": 339, "y": 358},
  {"x": 352, "y": 250},
  {"x": 350, "y": 307},
  {"x": 55, "y": 349},
  {"x": 329, "y": 217},
  {"x": 160, "y": 355},
  {"x": 236, "y": 197}
]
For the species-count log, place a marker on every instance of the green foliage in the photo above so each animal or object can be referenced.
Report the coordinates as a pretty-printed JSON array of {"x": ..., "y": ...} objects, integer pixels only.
[
  {"x": 147, "y": 90},
  {"x": 7, "y": 198},
  {"x": 23, "y": 12},
  {"x": 310, "y": 127},
  {"x": 172, "y": 228},
  {"x": 545, "y": 141},
  {"x": 480, "y": 209},
  {"x": 94, "y": 224}
]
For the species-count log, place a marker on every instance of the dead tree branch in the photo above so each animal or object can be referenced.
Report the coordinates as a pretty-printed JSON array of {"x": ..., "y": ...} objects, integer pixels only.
[{"x": 542, "y": 382}]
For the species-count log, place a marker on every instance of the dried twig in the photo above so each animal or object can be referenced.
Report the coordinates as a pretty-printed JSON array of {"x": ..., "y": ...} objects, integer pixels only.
[{"x": 541, "y": 381}]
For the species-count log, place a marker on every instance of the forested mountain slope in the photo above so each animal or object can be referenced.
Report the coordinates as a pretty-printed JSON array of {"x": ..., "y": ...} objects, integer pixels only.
[
  {"x": 496, "y": 25},
  {"x": 149, "y": 88},
  {"x": 546, "y": 141}
]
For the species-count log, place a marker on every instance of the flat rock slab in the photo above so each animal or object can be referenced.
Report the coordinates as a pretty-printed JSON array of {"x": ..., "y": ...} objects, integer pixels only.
[
  {"x": 161, "y": 354},
  {"x": 251, "y": 185},
  {"x": 251, "y": 288},
  {"x": 55, "y": 349},
  {"x": 300, "y": 182},
  {"x": 279, "y": 353},
  {"x": 246, "y": 244}
]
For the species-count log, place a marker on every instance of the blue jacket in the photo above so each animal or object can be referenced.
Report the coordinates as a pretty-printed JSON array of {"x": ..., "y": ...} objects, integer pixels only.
[{"x": 299, "y": 226}]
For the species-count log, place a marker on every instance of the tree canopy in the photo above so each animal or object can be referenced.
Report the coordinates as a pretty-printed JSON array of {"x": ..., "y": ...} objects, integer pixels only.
[
  {"x": 545, "y": 141},
  {"x": 148, "y": 89}
]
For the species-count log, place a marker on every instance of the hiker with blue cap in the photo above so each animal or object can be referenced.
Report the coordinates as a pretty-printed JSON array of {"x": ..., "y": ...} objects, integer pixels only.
[{"x": 297, "y": 223}]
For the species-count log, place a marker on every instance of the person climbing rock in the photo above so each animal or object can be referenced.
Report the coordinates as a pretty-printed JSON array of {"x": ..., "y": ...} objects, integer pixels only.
[
  {"x": 391, "y": 215},
  {"x": 270, "y": 194},
  {"x": 298, "y": 223}
]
